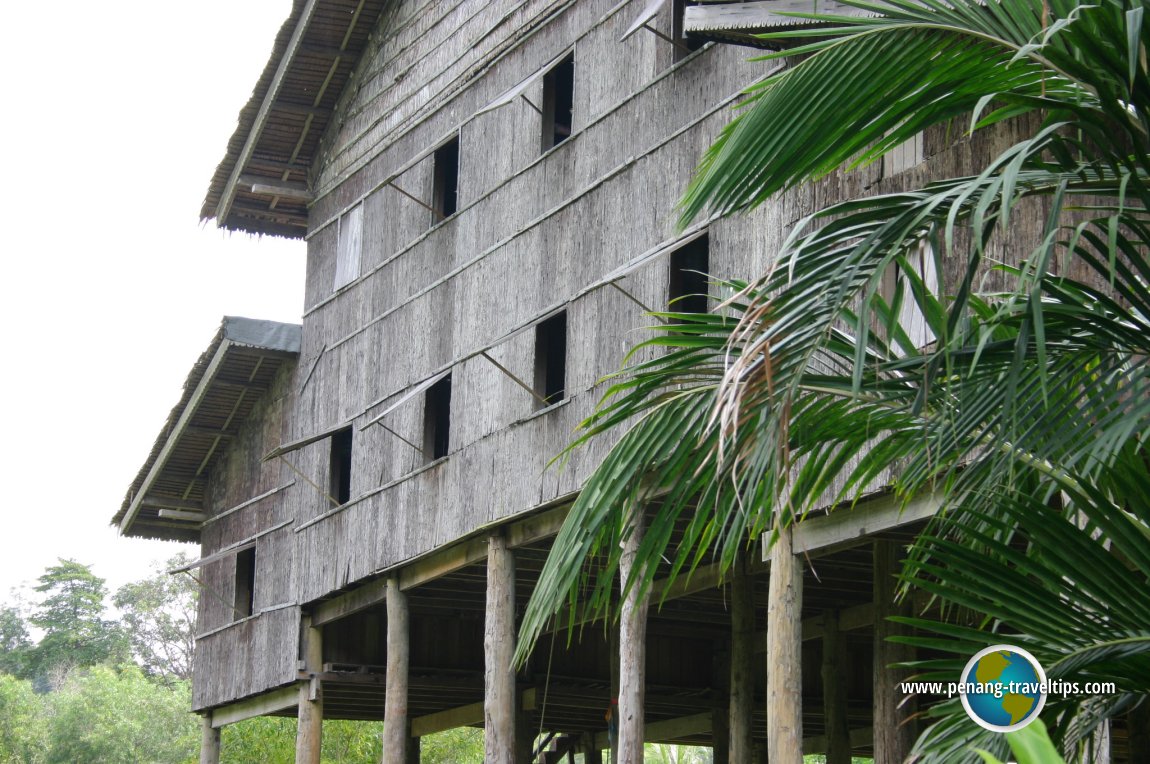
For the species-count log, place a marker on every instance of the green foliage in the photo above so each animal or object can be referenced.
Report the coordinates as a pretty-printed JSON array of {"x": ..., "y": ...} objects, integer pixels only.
[
  {"x": 108, "y": 715},
  {"x": 1030, "y": 745},
  {"x": 75, "y": 632},
  {"x": 15, "y": 643},
  {"x": 1024, "y": 410},
  {"x": 271, "y": 740},
  {"x": 663, "y": 753},
  {"x": 158, "y": 615},
  {"x": 23, "y": 734},
  {"x": 267, "y": 739},
  {"x": 463, "y": 745}
]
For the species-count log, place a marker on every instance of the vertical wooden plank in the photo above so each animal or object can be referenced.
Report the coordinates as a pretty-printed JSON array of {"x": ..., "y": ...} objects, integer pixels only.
[
  {"x": 784, "y": 654},
  {"x": 632, "y": 650},
  {"x": 412, "y": 751},
  {"x": 834, "y": 692},
  {"x": 209, "y": 741},
  {"x": 893, "y": 735},
  {"x": 309, "y": 733},
  {"x": 498, "y": 644},
  {"x": 395, "y": 728},
  {"x": 742, "y": 698}
]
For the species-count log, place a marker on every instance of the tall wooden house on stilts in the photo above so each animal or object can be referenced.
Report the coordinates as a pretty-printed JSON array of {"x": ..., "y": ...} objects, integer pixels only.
[{"x": 487, "y": 191}]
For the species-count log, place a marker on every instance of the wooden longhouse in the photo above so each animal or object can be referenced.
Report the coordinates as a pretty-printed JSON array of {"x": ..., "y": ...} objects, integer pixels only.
[{"x": 487, "y": 192}]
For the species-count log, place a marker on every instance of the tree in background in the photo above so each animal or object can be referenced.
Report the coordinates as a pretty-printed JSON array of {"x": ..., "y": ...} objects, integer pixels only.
[
  {"x": 23, "y": 732},
  {"x": 159, "y": 617},
  {"x": 15, "y": 642},
  {"x": 106, "y": 715},
  {"x": 76, "y": 634}
]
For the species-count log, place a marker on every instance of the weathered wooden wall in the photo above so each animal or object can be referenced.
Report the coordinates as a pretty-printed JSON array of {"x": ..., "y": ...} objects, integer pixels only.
[
  {"x": 239, "y": 657},
  {"x": 533, "y": 231}
]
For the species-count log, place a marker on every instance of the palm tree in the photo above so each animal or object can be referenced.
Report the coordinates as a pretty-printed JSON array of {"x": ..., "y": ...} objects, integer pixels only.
[{"x": 1027, "y": 410}]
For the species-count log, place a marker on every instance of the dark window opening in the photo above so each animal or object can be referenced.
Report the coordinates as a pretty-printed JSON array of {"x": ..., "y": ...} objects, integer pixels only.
[
  {"x": 551, "y": 359},
  {"x": 245, "y": 583},
  {"x": 445, "y": 196},
  {"x": 687, "y": 290},
  {"x": 339, "y": 480},
  {"x": 437, "y": 419},
  {"x": 685, "y": 44},
  {"x": 558, "y": 101}
]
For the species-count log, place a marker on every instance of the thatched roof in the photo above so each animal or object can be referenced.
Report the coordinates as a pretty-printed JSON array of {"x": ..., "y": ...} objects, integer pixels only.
[
  {"x": 279, "y": 129},
  {"x": 166, "y": 500}
]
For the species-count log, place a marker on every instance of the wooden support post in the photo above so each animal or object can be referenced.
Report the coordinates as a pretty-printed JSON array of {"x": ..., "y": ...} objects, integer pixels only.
[
  {"x": 632, "y": 649},
  {"x": 591, "y": 754},
  {"x": 742, "y": 699},
  {"x": 498, "y": 645},
  {"x": 784, "y": 653},
  {"x": 1138, "y": 726},
  {"x": 613, "y": 751},
  {"x": 396, "y": 726},
  {"x": 412, "y": 751},
  {"x": 209, "y": 741},
  {"x": 893, "y": 735},
  {"x": 309, "y": 733},
  {"x": 721, "y": 710},
  {"x": 835, "y": 720}
]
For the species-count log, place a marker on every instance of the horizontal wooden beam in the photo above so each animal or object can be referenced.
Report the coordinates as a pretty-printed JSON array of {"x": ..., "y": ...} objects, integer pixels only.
[
  {"x": 278, "y": 164},
  {"x": 667, "y": 729},
  {"x": 261, "y": 705},
  {"x": 165, "y": 502},
  {"x": 462, "y": 716},
  {"x": 844, "y": 527},
  {"x": 850, "y": 619},
  {"x": 370, "y": 594},
  {"x": 275, "y": 187},
  {"x": 182, "y": 514},
  {"x": 438, "y": 564}
]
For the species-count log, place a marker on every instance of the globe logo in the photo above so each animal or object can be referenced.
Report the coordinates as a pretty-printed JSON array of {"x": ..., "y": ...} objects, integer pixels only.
[{"x": 1004, "y": 688}]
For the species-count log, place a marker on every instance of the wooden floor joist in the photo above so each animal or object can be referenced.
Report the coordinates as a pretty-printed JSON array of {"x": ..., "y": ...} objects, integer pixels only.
[{"x": 261, "y": 705}]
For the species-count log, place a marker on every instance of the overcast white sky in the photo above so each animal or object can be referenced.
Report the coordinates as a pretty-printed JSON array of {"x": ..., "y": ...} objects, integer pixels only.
[{"x": 115, "y": 115}]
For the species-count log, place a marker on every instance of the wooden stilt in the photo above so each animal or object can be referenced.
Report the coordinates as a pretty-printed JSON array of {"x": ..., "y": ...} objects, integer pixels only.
[
  {"x": 721, "y": 710},
  {"x": 632, "y": 650},
  {"x": 838, "y": 732},
  {"x": 412, "y": 751},
  {"x": 396, "y": 737},
  {"x": 1138, "y": 726},
  {"x": 613, "y": 751},
  {"x": 742, "y": 697},
  {"x": 309, "y": 733},
  {"x": 498, "y": 646},
  {"x": 784, "y": 654},
  {"x": 209, "y": 741},
  {"x": 893, "y": 736}
]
